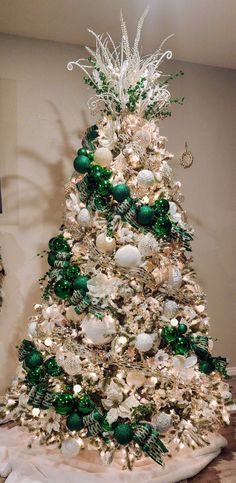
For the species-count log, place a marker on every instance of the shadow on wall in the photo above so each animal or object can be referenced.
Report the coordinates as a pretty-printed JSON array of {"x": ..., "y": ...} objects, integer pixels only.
[{"x": 48, "y": 208}]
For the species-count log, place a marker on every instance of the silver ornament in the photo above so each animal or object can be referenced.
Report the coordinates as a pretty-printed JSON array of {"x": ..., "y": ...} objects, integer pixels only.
[
  {"x": 163, "y": 422},
  {"x": 72, "y": 364},
  {"x": 148, "y": 245},
  {"x": 170, "y": 308},
  {"x": 145, "y": 178},
  {"x": 143, "y": 342},
  {"x": 70, "y": 448}
]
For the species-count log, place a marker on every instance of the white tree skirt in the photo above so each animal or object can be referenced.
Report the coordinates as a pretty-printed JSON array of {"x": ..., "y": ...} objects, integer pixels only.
[{"x": 18, "y": 464}]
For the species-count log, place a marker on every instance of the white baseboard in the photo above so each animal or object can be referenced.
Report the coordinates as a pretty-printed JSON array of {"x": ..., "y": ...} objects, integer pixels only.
[{"x": 231, "y": 371}]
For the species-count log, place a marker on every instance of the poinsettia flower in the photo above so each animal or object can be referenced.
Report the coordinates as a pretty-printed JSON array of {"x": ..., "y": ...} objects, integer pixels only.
[
  {"x": 51, "y": 421},
  {"x": 51, "y": 316},
  {"x": 184, "y": 367},
  {"x": 173, "y": 213},
  {"x": 72, "y": 205},
  {"x": 117, "y": 404},
  {"x": 160, "y": 359},
  {"x": 101, "y": 286}
]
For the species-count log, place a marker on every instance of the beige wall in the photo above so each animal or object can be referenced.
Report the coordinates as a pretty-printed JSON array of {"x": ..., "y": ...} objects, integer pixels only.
[{"x": 46, "y": 116}]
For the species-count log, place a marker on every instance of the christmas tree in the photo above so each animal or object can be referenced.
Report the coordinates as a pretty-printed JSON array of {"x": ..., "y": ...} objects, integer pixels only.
[{"x": 118, "y": 354}]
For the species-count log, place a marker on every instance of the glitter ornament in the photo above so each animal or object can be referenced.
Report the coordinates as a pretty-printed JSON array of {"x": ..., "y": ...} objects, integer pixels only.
[
  {"x": 169, "y": 334},
  {"x": 74, "y": 422},
  {"x": 36, "y": 375},
  {"x": 80, "y": 283},
  {"x": 162, "y": 226},
  {"x": 33, "y": 359},
  {"x": 128, "y": 256},
  {"x": 163, "y": 422},
  {"x": 64, "y": 403},
  {"x": 142, "y": 137},
  {"x": 70, "y": 448},
  {"x": 84, "y": 218},
  {"x": 135, "y": 379},
  {"x": 162, "y": 206},
  {"x": 60, "y": 245},
  {"x": 170, "y": 308},
  {"x": 52, "y": 368},
  {"x": 71, "y": 272},
  {"x": 174, "y": 281},
  {"x": 99, "y": 332},
  {"x": 145, "y": 215},
  {"x": 148, "y": 245},
  {"x": 120, "y": 192},
  {"x": 103, "y": 157},
  {"x": 82, "y": 163},
  {"x": 72, "y": 364},
  {"x": 143, "y": 342},
  {"x": 181, "y": 346},
  {"x": 85, "y": 404},
  {"x": 145, "y": 178},
  {"x": 105, "y": 244},
  {"x": 123, "y": 433},
  {"x": 63, "y": 289}
]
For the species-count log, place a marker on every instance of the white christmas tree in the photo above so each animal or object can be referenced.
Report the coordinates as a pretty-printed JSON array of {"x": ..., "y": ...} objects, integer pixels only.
[{"x": 119, "y": 354}]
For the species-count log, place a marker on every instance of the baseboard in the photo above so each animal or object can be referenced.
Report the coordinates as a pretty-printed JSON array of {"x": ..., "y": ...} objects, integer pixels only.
[{"x": 231, "y": 371}]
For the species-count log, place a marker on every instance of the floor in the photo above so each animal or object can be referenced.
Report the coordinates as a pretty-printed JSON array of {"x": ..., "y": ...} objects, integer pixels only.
[{"x": 223, "y": 468}]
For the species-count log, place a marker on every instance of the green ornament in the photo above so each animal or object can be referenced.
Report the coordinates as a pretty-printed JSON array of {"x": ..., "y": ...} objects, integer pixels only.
[
  {"x": 74, "y": 422},
  {"x": 91, "y": 155},
  {"x": 85, "y": 404},
  {"x": 82, "y": 151},
  {"x": 81, "y": 163},
  {"x": 33, "y": 359},
  {"x": 206, "y": 366},
  {"x": 52, "y": 367},
  {"x": 162, "y": 206},
  {"x": 104, "y": 187},
  {"x": 169, "y": 334},
  {"x": 80, "y": 283},
  {"x": 123, "y": 433},
  {"x": 181, "y": 346},
  {"x": 182, "y": 328},
  {"x": 35, "y": 376},
  {"x": 145, "y": 215},
  {"x": 63, "y": 289},
  {"x": 51, "y": 241},
  {"x": 52, "y": 257},
  {"x": 25, "y": 348},
  {"x": 60, "y": 245},
  {"x": 120, "y": 192},
  {"x": 64, "y": 403},
  {"x": 92, "y": 132},
  {"x": 162, "y": 226},
  {"x": 71, "y": 272}
]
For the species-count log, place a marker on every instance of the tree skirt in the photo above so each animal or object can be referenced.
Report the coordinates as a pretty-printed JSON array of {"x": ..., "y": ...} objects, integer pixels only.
[{"x": 19, "y": 464}]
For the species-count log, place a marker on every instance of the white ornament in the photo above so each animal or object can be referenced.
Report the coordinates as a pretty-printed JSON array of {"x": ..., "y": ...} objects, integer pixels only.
[
  {"x": 71, "y": 314},
  {"x": 32, "y": 328},
  {"x": 143, "y": 342},
  {"x": 70, "y": 448},
  {"x": 103, "y": 157},
  {"x": 77, "y": 388},
  {"x": 174, "y": 322},
  {"x": 145, "y": 178},
  {"x": 101, "y": 286},
  {"x": 148, "y": 245},
  {"x": 163, "y": 422},
  {"x": 105, "y": 243},
  {"x": 170, "y": 308},
  {"x": 72, "y": 364},
  {"x": 135, "y": 379},
  {"x": 128, "y": 256},
  {"x": 99, "y": 332},
  {"x": 84, "y": 218},
  {"x": 174, "y": 279},
  {"x": 143, "y": 137}
]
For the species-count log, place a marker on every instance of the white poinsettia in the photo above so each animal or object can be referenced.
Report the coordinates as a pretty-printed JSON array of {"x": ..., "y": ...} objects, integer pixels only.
[
  {"x": 51, "y": 421},
  {"x": 184, "y": 367},
  {"x": 73, "y": 205},
  {"x": 51, "y": 315},
  {"x": 161, "y": 359},
  {"x": 101, "y": 286},
  {"x": 117, "y": 404},
  {"x": 107, "y": 134},
  {"x": 173, "y": 213},
  {"x": 125, "y": 235}
]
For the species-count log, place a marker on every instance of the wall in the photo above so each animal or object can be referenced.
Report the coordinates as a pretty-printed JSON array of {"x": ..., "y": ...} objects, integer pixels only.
[{"x": 48, "y": 105}]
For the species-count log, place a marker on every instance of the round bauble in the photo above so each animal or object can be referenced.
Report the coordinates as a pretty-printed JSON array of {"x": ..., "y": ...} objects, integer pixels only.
[
  {"x": 85, "y": 404},
  {"x": 52, "y": 368},
  {"x": 84, "y": 217},
  {"x": 181, "y": 346},
  {"x": 206, "y": 367},
  {"x": 81, "y": 163},
  {"x": 104, "y": 188},
  {"x": 143, "y": 342},
  {"x": 174, "y": 281},
  {"x": 143, "y": 137},
  {"x": 74, "y": 422},
  {"x": 162, "y": 226},
  {"x": 123, "y": 433},
  {"x": 145, "y": 215},
  {"x": 63, "y": 289},
  {"x": 99, "y": 332},
  {"x": 170, "y": 308},
  {"x": 135, "y": 379},
  {"x": 80, "y": 283},
  {"x": 70, "y": 448},
  {"x": 182, "y": 328},
  {"x": 33, "y": 359},
  {"x": 163, "y": 422},
  {"x": 64, "y": 403},
  {"x": 120, "y": 192},
  {"x": 35, "y": 375},
  {"x": 162, "y": 206},
  {"x": 148, "y": 245},
  {"x": 103, "y": 157},
  {"x": 52, "y": 257},
  {"x": 83, "y": 151},
  {"x": 72, "y": 364},
  {"x": 145, "y": 178},
  {"x": 51, "y": 241},
  {"x": 128, "y": 256},
  {"x": 60, "y": 244},
  {"x": 105, "y": 244},
  {"x": 71, "y": 272},
  {"x": 169, "y": 334}
]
